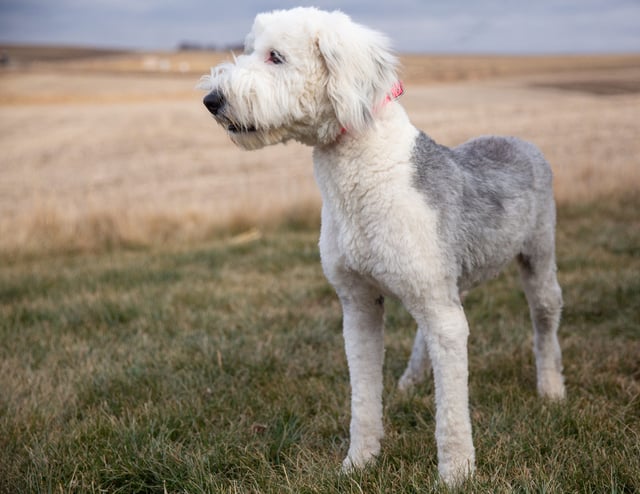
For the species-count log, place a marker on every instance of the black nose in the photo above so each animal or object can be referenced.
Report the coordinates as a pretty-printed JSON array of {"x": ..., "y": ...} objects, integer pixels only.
[{"x": 214, "y": 101}]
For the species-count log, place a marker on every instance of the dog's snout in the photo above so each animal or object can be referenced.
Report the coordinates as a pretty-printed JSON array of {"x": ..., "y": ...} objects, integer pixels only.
[{"x": 214, "y": 101}]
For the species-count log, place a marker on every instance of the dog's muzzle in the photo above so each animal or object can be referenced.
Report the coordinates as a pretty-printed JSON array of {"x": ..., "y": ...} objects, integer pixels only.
[{"x": 214, "y": 101}]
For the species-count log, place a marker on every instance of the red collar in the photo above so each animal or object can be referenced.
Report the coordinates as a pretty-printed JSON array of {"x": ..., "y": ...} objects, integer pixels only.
[{"x": 397, "y": 90}]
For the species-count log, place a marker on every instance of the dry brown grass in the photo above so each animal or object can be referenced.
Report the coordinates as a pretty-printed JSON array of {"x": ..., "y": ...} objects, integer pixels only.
[{"x": 117, "y": 150}]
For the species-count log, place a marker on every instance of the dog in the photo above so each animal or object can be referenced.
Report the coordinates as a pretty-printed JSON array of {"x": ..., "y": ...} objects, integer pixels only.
[{"x": 401, "y": 216}]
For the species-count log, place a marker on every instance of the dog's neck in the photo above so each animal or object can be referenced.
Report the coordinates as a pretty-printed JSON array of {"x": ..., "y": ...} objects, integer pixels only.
[
  {"x": 375, "y": 146},
  {"x": 397, "y": 90}
]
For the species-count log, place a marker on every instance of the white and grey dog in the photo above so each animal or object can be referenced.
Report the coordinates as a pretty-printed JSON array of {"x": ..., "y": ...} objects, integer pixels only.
[{"x": 401, "y": 215}]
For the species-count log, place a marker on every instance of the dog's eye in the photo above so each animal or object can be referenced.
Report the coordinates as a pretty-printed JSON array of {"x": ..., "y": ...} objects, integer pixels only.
[{"x": 275, "y": 57}]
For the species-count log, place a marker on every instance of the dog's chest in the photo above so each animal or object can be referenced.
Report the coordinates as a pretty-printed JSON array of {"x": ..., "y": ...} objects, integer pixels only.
[
  {"x": 375, "y": 223},
  {"x": 363, "y": 226}
]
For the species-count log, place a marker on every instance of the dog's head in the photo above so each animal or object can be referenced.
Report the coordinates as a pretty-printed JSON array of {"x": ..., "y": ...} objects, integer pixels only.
[{"x": 306, "y": 74}]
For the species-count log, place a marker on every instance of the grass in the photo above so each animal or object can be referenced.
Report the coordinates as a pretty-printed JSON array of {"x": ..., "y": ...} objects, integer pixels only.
[{"x": 218, "y": 367}]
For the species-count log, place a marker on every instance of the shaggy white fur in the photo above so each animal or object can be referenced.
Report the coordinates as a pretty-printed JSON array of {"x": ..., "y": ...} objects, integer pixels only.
[{"x": 401, "y": 215}]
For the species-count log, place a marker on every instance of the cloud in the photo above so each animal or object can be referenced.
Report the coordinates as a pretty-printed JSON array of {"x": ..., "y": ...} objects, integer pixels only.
[{"x": 413, "y": 25}]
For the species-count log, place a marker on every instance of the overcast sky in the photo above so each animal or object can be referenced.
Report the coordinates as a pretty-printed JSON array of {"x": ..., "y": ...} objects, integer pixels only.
[{"x": 497, "y": 26}]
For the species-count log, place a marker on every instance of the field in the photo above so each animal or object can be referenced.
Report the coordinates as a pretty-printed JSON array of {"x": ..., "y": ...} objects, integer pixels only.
[
  {"x": 165, "y": 325},
  {"x": 117, "y": 149}
]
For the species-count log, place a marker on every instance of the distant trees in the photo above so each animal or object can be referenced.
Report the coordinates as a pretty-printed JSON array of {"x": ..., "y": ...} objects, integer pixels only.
[{"x": 196, "y": 46}]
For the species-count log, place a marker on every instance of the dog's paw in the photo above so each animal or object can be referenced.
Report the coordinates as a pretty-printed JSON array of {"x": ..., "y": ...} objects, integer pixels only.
[
  {"x": 359, "y": 459},
  {"x": 551, "y": 386},
  {"x": 455, "y": 473},
  {"x": 407, "y": 382}
]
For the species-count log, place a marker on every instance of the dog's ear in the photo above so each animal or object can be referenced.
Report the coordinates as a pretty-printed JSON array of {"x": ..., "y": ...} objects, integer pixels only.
[{"x": 361, "y": 70}]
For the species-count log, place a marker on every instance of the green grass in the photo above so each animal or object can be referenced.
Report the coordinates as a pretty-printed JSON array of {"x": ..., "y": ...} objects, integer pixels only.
[{"x": 220, "y": 368}]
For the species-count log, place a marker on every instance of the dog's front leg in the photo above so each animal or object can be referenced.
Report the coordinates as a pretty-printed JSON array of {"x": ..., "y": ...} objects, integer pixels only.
[
  {"x": 446, "y": 331},
  {"x": 363, "y": 313}
]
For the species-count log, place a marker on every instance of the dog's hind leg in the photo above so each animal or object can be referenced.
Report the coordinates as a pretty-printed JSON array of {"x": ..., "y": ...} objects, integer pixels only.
[
  {"x": 418, "y": 366},
  {"x": 363, "y": 312},
  {"x": 538, "y": 273}
]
